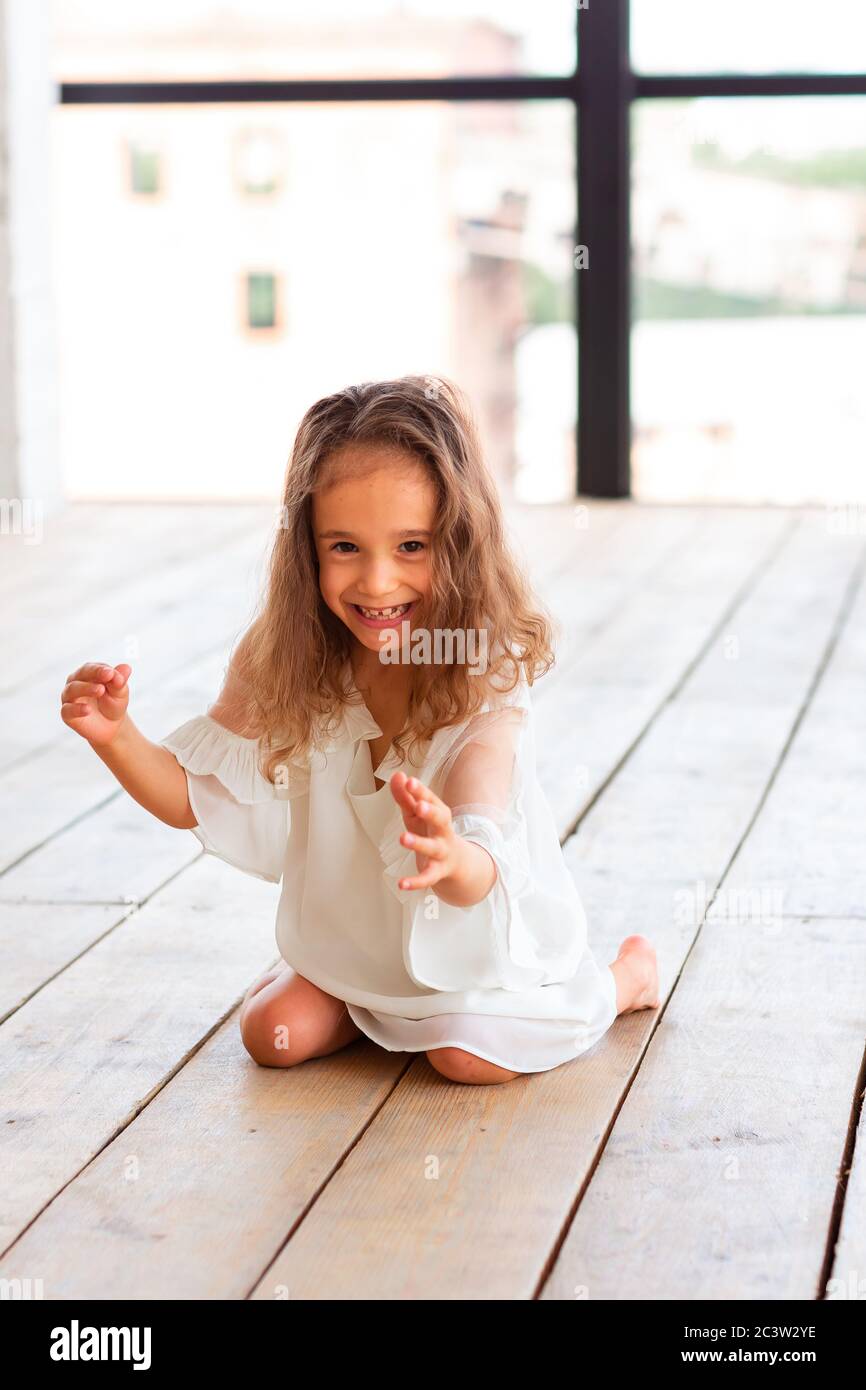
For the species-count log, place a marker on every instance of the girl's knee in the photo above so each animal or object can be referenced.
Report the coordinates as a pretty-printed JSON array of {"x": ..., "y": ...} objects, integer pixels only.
[
  {"x": 265, "y": 979},
  {"x": 457, "y": 1065},
  {"x": 274, "y": 1037}
]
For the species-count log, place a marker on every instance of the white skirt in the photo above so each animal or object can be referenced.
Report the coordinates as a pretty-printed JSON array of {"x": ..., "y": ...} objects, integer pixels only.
[{"x": 518, "y": 1044}]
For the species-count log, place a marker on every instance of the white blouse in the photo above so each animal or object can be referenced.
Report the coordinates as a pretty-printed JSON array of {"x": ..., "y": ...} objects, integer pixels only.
[{"x": 510, "y": 979}]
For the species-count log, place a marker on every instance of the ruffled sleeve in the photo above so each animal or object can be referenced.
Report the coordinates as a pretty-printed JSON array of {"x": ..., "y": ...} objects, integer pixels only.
[
  {"x": 242, "y": 817},
  {"x": 531, "y": 928}
]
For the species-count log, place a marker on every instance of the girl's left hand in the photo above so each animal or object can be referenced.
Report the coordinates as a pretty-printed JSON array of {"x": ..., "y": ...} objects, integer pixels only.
[{"x": 429, "y": 831}]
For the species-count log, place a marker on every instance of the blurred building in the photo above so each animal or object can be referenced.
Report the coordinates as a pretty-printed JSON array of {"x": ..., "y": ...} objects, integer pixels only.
[
  {"x": 220, "y": 267},
  {"x": 749, "y": 261}
]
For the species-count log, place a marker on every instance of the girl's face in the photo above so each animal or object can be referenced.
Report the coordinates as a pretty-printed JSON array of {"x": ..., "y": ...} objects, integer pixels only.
[{"x": 373, "y": 534}]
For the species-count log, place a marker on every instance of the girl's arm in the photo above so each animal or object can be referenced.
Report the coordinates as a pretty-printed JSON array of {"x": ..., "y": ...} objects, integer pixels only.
[
  {"x": 472, "y": 875},
  {"x": 94, "y": 703}
]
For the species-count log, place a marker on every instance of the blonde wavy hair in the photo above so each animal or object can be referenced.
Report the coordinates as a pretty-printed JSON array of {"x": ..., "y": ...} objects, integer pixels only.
[{"x": 288, "y": 678}]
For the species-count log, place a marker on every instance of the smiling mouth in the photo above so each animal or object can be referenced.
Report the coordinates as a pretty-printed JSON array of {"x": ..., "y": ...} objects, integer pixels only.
[{"x": 383, "y": 614}]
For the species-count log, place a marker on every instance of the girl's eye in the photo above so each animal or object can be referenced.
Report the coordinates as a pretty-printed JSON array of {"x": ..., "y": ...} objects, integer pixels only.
[{"x": 351, "y": 546}]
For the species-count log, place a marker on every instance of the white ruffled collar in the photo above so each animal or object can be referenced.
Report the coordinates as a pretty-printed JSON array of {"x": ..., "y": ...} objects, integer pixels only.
[
  {"x": 357, "y": 717},
  {"x": 358, "y": 724}
]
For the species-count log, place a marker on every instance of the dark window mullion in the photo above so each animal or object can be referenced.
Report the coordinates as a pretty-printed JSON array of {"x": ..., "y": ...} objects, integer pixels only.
[
  {"x": 517, "y": 88},
  {"x": 603, "y": 289},
  {"x": 713, "y": 84}
]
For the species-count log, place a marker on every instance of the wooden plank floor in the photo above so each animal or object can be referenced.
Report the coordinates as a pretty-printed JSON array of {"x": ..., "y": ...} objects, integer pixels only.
[{"x": 702, "y": 740}]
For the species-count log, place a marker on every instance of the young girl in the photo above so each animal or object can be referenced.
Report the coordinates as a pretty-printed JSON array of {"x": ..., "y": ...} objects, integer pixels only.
[{"x": 373, "y": 746}]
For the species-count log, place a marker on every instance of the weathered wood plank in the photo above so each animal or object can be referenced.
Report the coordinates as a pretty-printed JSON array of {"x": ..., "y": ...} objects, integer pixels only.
[
  {"x": 118, "y": 854},
  {"x": 87, "y": 1051},
  {"x": 721, "y": 1173},
  {"x": 647, "y": 647},
  {"x": 847, "y": 1278},
  {"x": 35, "y": 944},
  {"x": 719, "y": 1177},
  {"x": 195, "y": 1196},
  {"x": 75, "y": 545},
  {"x": 127, "y": 541},
  {"x": 550, "y": 539}
]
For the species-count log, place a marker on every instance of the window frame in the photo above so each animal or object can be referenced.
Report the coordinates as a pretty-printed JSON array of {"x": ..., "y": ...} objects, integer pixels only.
[{"x": 602, "y": 90}]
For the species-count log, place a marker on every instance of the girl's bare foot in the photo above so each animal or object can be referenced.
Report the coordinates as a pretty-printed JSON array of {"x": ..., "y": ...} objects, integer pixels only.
[{"x": 636, "y": 973}]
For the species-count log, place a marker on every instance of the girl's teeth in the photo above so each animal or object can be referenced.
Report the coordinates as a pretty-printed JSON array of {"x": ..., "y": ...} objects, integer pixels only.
[{"x": 384, "y": 612}]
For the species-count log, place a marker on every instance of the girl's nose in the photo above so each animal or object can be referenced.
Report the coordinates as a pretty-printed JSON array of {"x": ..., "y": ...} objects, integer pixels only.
[{"x": 380, "y": 579}]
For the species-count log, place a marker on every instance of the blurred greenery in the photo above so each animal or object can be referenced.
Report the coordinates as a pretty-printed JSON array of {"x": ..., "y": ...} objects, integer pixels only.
[
  {"x": 655, "y": 299},
  {"x": 845, "y": 168},
  {"x": 547, "y": 300},
  {"x": 145, "y": 170},
  {"x": 831, "y": 168}
]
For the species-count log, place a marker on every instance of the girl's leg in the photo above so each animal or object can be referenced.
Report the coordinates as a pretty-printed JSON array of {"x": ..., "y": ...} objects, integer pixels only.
[
  {"x": 637, "y": 987},
  {"x": 457, "y": 1065},
  {"x": 289, "y": 1019},
  {"x": 260, "y": 983},
  {"x": 636, "y": 973}
]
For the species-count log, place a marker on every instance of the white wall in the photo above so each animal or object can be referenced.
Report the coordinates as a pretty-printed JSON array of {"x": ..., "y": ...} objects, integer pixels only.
[{"x": 29, "y": 430}]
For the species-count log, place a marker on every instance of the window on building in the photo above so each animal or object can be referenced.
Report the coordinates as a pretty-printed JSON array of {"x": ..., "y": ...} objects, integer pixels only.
[
  {"x": 143, "y": 168},
  {"x": 261, "y": 300}
]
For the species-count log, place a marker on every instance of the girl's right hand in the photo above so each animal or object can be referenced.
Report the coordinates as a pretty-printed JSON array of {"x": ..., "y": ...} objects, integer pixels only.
[{"x": 94, "y": 701}]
